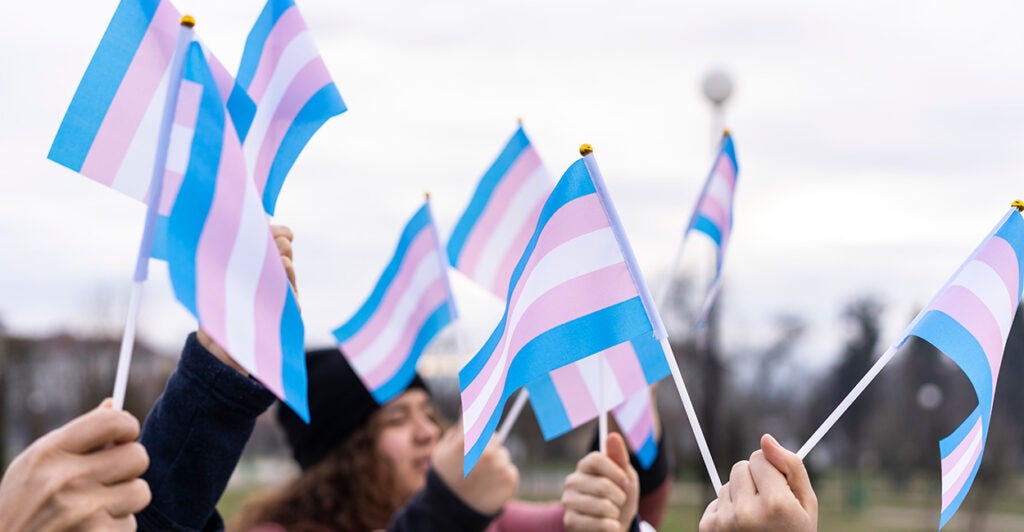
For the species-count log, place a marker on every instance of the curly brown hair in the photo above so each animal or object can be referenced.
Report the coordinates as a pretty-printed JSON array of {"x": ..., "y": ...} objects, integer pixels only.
[{"x": 351, "y": 489}]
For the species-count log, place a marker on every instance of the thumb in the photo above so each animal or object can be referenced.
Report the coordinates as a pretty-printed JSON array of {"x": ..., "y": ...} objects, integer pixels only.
[
  {"x": 790, "y": 465},
  {"x": 617, "y": 451}
]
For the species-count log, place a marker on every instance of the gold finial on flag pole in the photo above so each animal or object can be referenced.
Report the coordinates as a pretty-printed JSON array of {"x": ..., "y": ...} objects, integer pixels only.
[
  {"x": 519, "y": 121},
  {"x": 586, "y": 149},
  {"x": 426, "y": 195},
  {"x": 1018, "y": 204},
  {"x": 188, "y": 21},
  {"x": 726, "y": 132}
]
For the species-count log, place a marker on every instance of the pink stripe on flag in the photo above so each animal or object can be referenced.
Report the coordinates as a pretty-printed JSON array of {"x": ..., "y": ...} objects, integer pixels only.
[
  {"x": 420, "y": 247},
  {"x": 221, "y": 76},
  {"x": 950, "y": 460},
  {"x": 496, "y": 211},
  {"x": 726, "y": 171},
  {"x": 999, "y": 255},
  {"x": 963, "y": 306},
  {"x": 626, "y": 368},
  {"x": 575, "y": 218},
  {"x": 643, "y": 428},
  {"x": 432, "y": 299},
  {"x": 576, "y": 400},
  {"x": 551, "y": 310},
  {"x": 190, "y": 95},
  {"x": 271, "y": 292},
  {"x": 310, "y": 79},
  {"x": 288, "y": 25},
  {"x": 134, "y": 95},
  {"x": 514, "y": 252},
  {"x": 217, "y": 240},
  {"x": 573, "y": 299},
  {"x": 958, "y": 485},
  {"x": 715, "y": 212}
]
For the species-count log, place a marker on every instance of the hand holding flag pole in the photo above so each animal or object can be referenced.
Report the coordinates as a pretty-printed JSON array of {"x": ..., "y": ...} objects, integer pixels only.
[
  {"x": 659, "y": 329},
  {"x": 152, "y": 205}
]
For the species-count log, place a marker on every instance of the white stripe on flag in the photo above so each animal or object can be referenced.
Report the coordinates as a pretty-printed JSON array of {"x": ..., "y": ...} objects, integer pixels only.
[
  {"x": 966, "y": 460},
  {"x": 981, "y": 280},
  {"x": 136, "y": 169},
  {"x": 719, "y": 191},
  {"x": 535, "y": 190},
  {"x": 179, "y": 149},
  {"x": 242, "y": 278},
  {"x": 574, "y": 258},
  {"x": 629, "y": 414},
  {"x": 590, "y": 369},
  {"x": 428, "y": 271},
  {"x": 299, "y": 52}
]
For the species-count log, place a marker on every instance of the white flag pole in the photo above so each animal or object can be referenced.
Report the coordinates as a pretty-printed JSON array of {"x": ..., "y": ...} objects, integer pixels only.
[
  {"x": 513, "y": 415},
  {"x": 652, "y": 311},
  {"x": 124, "y": 358},
  {"x": 891, "y": 352}
]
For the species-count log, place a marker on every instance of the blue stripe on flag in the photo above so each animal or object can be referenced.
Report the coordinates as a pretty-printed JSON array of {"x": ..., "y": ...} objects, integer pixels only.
[
  {"x": 651, "y": 357},
  {"x": 730, "y": 149},
  {"x": 482, "y": 196},
  {"x": 323, "y": 105},
  {"x": 946, "y": 446},
  {"x": 293, "y": 357},
  {"x": 438, "y": 320},
  {"x": 242, "y": 110},
  {"x": 647, "y": 452},
  {"x": 548, "y": 407},
  {"x": 1013, "y": 232},
  {"x": 417, "y": 224},
  {"x": 576, "y": 183},
  {"x": 159, "y": 249},
  {"x": 706, "y": 226},
  {"x": 563, "y": 345},
  {"x": 101, "y": 81},
  {"x": 195, "y": 196},
  {"x": 950, "y": 337},
  {"x": 257, "y": 39}
]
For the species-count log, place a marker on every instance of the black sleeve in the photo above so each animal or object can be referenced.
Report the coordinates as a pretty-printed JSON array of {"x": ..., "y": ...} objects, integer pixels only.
[
  {"x": 194, "y": 435},
  {"x": 436, "y": 508}
]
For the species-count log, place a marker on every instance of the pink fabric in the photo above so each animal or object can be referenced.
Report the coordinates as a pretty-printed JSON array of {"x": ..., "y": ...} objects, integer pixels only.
[
  {"x": 137, "y": 90},
  {"x": 626, "y": 368},
  {"x": 999, "y": 254},
  {"x": 497, "y": 209},
  {"x": 218, "y": 239},
  {"x": 963, "y": 306},
  {"x": 571, "y": 388},
  {"x": 514, "y": 252},
  {"x": 270, "y": 297},
  {"x": 310, "y": 79},
  {"x": 954, "y": 490},
  {"x": 285, "y": 29},
  {"x": 420, "y": 247}
]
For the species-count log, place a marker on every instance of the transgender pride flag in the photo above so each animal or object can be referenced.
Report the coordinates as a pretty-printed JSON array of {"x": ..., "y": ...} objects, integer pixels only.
[
  {"x": 411, "y": 303},
  {"x": 575, "y": 291},
  {"x": 110, "y": 130},
  {"x": 713, "y": 215},
  {"x": 492, "y": 233},
  {"x": 224, "y": 266},
  {"x": 282, "y": 72},
  {"x": 617, "y": 377},
  {"x": 969, "y": 321}
]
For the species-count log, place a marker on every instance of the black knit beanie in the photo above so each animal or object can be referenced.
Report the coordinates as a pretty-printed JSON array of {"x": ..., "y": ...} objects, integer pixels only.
[{"x": 339, "y": 404}]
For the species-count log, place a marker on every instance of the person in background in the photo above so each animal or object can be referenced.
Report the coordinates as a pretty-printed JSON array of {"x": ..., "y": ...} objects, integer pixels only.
[
  {"x": 771, "y": 491},
  {"x": 83, "y": 475},
  {"x": 365, "y": 466}
]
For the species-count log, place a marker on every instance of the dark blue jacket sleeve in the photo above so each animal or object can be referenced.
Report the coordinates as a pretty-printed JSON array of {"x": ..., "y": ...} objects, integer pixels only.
[
  {"x": 435, "y": 507},
  {"x": 194, "y": 435}
]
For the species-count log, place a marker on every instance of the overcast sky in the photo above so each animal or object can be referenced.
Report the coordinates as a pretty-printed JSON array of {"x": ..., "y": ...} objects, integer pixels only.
[{"x": 878, "y": 143}]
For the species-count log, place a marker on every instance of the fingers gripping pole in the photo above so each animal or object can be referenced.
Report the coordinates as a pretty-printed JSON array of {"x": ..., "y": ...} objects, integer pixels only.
[{"x": 691, "y": 414}]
